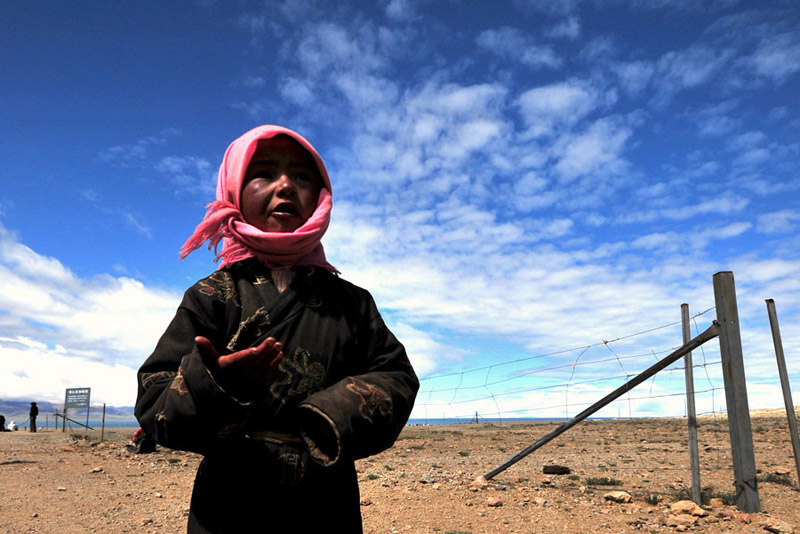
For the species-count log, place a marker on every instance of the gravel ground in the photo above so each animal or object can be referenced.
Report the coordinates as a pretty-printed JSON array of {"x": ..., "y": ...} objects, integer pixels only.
[{"x": 72, "y": 482}]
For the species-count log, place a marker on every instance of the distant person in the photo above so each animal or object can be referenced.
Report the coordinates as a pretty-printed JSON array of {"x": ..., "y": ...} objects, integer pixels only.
[
  {"x": 3, "y": 423},
  {"x": 33, "y": 413},
  {"x": 275, "y": 369}
]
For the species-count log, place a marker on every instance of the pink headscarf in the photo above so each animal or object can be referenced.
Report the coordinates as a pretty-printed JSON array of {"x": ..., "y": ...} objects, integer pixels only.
[{"x": 224, "y": 220}]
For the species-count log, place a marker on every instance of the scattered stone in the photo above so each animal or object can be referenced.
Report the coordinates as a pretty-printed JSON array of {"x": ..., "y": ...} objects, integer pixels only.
[
  {"x": 366, "y": 502},
  {"x": 427, "y": 479},
  {"x": 159, "y": 496},
  {"x": 777, "y": 526},
  {"x": 96, "y": 470},
  {"x": 631, "y": 508},
  {"x": 62, "y": 488},
  {"x": 618, "y": 496},
  {"x": 681, "y": 520},
  {"x": 687, "y": 507},
  {"x": 35, "y": 515},
  {"x": 725, "y": 515},
  {"x": 715, "y": 503},
  {"x": 781, "y": 471},
  {"x": 556, "y": 470},
  {"x": 746, "y": 518},
  {"x": 478, "y": 483},
  {"x": 494, "y": 502}
]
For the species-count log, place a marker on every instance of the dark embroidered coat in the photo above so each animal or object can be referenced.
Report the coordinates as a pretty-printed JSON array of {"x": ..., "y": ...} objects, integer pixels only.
[{"x": 267, "y": 465}]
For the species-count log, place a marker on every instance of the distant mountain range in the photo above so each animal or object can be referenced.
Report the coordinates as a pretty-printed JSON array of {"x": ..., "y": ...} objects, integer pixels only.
[{"x": 18, "y": 410}]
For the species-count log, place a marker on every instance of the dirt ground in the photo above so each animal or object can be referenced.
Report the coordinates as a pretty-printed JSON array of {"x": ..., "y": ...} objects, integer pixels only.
[{"x": 72, "y": 482}]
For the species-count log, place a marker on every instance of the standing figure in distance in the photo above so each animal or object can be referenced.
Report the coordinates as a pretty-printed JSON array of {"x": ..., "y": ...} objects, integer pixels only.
[
  {"x": 279, "y": 372},
  {"x": 33, "y": 414}
]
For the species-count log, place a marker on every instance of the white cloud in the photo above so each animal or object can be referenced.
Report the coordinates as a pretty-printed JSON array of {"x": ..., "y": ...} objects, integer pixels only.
[
  {"x": 718, "y": 119},
  {"x": 133, "y": 220},
  {"x": 400, "y": 10},
  {"x": 689, "y": 68},
  {"x": 634, "y": 76},
  {"x": 569, "y": 28},
  {"x": 136, "y": 153},
  {"x": 553, "y": 107},
  {"x": 782, "y": 221},
  {"x": 777, "y": 56},
  {"x": 31, "y": 370},
  {"x": 676, "y": 242},
  {"x": 597, "y": 150},
  {"x": 746, "y": 141},
  {"x": 253, "y": 82},
  {"x": 105, "y": 319},
  {"x": 426, "y": 354},
  {"x": 328, "y": 45},
  {"x": 511, "y": 44},
  {"x": 725, "y": 204},
  {"x": 189, "y": 173}
]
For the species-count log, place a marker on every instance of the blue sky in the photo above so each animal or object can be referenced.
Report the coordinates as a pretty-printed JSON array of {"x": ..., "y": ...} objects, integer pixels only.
[{"x": 512, "y": 180}]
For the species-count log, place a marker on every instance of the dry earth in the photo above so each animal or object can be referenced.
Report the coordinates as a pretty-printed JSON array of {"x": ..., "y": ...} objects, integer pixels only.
[{"x": 69, "y": 482}]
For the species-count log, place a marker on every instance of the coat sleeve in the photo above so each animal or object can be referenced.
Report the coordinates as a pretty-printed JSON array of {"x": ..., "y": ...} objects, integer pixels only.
[
  {"x": 179, "y": 403},
  {"x": 362, "y": 414}
]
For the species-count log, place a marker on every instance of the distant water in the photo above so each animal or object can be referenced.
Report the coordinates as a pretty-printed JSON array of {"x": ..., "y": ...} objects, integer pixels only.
[
  {"x": 133, "y": 423},
  {"x": 457, "y": 421},
  {"x": 94, "y": 423}
]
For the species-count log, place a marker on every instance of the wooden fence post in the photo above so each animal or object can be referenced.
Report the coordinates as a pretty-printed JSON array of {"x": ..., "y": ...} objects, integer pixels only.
[
  {"x": 730, "y": 345},
  {"x": 784, "y": 376},
  {"x": 691, "y": 412}
]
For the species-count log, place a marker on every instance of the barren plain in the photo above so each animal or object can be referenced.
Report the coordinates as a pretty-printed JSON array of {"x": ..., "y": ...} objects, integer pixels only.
[{"x": 72, "y": 482}]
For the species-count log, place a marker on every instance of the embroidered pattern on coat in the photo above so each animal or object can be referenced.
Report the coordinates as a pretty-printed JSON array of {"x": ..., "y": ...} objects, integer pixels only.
[
  {"x": 374, "y": 400},
  {"x": 220, "y": 284},
  {"x": 261, "y": 280},
  {"x": 179, "y": 384},
  {"x": 250, "y": 328},
  {"x": 302, "y": 376},
  {"x": 148, "y": 379}
]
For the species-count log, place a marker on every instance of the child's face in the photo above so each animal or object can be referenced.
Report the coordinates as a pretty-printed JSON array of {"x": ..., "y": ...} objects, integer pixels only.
[{"x": 281, "y": 186}]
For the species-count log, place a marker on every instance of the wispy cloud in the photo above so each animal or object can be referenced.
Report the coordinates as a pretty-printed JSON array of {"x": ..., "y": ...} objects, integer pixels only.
[
  {"x": 189, "y": 173},
  {"x": 777, "y": 56},
  {"x": 134, "y": 221},
  {"x": 137, "y": 152},
  {"x": 511, "y": 44},
  {"x": 551, "y": 108},
  {"x": 783, "y": 221}
]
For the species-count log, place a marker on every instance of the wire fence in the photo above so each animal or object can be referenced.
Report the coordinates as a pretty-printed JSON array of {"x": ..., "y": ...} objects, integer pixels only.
[
  {"x": 557, "y": 384},
  {"x": 643, "y": 439}
]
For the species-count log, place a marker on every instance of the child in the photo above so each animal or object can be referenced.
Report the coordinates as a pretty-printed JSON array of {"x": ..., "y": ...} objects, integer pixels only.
[{"x": 275, "y": 369}]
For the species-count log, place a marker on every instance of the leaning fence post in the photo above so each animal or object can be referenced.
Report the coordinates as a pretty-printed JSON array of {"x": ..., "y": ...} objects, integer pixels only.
[
  {"x": 787, "y": 392},
  {"x": 691, "y": 413},
  {"x": 730, "y": 345}
]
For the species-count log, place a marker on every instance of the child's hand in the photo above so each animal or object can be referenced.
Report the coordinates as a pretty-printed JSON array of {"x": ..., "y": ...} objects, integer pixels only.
[{"x": 244, "y": 372}]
